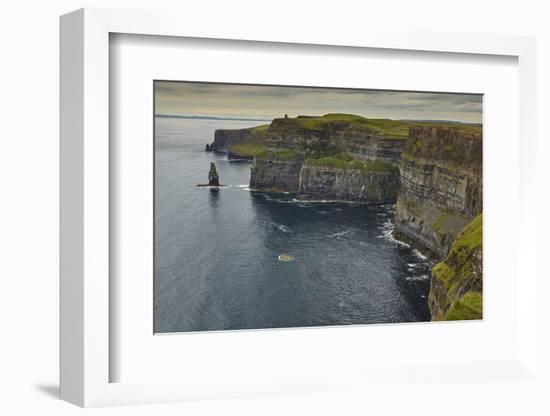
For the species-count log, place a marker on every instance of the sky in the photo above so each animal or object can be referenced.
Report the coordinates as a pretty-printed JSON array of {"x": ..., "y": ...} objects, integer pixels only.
[{"x": 268, "y": 102}]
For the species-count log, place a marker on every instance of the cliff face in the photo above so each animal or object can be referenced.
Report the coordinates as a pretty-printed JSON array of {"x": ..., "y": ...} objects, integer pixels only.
[
  {"x": 441, "y": 186},
  {"x": 335, "y": 134},
  {"x": 225, "y": 139},
  {"x": 274, "y": 175},
  {"x": 336, "y": 184},
  {"x": 343, "y": 149},
  {"x": 456, "y": 283},
  {"x": 375, "y": 148}
]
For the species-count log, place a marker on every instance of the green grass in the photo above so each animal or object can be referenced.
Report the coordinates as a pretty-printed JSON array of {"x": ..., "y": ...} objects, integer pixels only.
[
  {"x": 249, "y": 149},
  {"x": 443, "y": 272},
  {"x": 455, "y": 266},
  {"x": 457, "y": 273},
  {"x": 392, "y": 129},
  {"x": 348, "y": 162},
  {"x": 260, "y": 129},
  {"x": 470, "y": 306},
  {"x": 282, "y": 155},
  {"x": 285, "y": 155},
  {"x": 472, "y": 235}
]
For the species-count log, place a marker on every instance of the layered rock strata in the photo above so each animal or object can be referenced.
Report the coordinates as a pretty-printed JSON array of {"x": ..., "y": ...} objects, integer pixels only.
[
  {"x": 345, "y": 144},
  {"x": 272, "y": 175},
  {"x": 336, "y": 184},
  {"x": 441, "y": 186}
]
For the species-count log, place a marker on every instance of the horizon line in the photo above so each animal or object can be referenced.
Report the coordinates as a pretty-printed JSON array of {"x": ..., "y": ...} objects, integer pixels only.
[
  {"x": 236, "y": 118},
  {"x": 212, "y": 117}
]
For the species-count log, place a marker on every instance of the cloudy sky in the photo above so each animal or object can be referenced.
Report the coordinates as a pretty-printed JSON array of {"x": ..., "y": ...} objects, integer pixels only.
[{"x": 267, "y": 102}]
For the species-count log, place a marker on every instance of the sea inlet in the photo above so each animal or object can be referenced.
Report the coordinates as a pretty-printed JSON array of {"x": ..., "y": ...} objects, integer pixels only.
[{"x": 233, "y": 258}]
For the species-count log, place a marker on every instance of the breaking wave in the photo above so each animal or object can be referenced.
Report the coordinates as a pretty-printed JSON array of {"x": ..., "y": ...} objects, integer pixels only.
[
  {"x": 417, "y": 278},
  {"x": 387, "y": 233},
  {"x": 419, "y": 254}
]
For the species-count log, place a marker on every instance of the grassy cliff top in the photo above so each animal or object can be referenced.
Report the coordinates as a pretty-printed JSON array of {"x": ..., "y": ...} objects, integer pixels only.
[
  {"x": 347, "y": 162},
  {"x": 256, "y": 140},
  {"x": 460, "y": 273},
  {"x": 470, "y": 238},
  {"x": 387, "y": 128}
]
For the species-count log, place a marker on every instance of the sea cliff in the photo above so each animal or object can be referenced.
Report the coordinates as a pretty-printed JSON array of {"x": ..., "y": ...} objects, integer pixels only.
[
  {"x": 441, "y": 186},
  {"x": 457, "y": 281},
  {"x": 239, "y": 143},
  {"x": 339, "y": 157},
  {"x": 225, "y": 139},
  {"x": 276, "y": 175},
  {"x": 374, "y": 183}
]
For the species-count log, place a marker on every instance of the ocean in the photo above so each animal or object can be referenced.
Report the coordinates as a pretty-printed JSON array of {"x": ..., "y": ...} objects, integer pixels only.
[{"x": 217, "y": 253}]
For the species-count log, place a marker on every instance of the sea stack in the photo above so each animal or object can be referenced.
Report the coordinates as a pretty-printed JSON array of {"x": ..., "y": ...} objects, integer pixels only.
[{"x": 213, "y": 177}]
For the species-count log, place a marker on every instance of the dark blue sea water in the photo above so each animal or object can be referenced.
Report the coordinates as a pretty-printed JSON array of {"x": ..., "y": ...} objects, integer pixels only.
[{"x": 217, "y": 252}]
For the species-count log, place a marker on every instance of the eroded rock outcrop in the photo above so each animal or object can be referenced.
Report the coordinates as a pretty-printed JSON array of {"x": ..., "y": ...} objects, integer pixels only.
[
  {"x": 441, "y": 186},
  {"x": 213, "y": 177}
]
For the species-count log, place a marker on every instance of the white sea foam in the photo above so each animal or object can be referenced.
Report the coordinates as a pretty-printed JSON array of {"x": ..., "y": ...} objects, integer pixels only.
[
  {"x": 324, "y": 201},
  {"x": 417, "y": 278},
  {"x": 278, "y": 200},
  {"x": 210, "y": 187},
  {"x": 387, "y": 233},
  {"x": 391, "y": 238},
  {"x": 338, "y": 235},
  {"x": 419, "y": 254},
  {"x": 280, "y": 227}
]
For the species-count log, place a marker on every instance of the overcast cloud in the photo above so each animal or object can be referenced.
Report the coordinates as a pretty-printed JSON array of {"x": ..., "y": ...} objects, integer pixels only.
[{"x": 251, "y": 101}]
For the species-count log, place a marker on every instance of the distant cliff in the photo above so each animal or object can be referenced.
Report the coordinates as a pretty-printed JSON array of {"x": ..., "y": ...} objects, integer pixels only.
[
  {"x": 225, "y": 139},
  {"x": 345, "y": 135},
  {"x": 441, "y": 186},
  {"x": 336, "y": 157}
]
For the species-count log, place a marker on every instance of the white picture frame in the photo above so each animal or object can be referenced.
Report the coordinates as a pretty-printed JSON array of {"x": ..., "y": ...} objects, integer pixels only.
[{"x": 85, "y": 206}]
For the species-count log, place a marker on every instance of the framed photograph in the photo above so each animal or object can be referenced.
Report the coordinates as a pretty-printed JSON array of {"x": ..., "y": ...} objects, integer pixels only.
[
  {"x": 334, "y": 214},
  {"x": 312, "y": 215}
]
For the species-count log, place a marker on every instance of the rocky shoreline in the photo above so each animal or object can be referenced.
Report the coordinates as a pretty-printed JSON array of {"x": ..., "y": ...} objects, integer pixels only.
[{"x": 432, "y": 172}]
